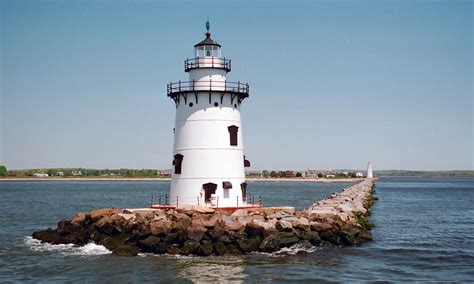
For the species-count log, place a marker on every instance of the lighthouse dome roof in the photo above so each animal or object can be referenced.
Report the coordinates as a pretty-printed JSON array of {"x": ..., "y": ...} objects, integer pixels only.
[{"x": 207, "y": 41}]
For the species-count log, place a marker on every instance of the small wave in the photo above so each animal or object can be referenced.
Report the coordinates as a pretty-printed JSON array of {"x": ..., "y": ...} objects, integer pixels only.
[
  {"x": 66, "y": 249},
  {"x": 91, "y": 249},
  {"x": 292, "y": 250},
  {"x": 36, "y": 245}
]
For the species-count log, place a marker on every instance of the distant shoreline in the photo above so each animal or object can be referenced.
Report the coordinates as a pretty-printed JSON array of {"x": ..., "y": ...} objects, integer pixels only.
[{"x": 323, "y": 180}]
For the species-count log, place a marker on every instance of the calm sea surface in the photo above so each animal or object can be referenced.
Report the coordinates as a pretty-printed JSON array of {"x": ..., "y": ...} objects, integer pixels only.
[{"x": 424, "y": 231}]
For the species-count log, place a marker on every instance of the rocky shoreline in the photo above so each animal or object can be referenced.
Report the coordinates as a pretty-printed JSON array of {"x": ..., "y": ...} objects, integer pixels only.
[{"x": 340, "y": 220}]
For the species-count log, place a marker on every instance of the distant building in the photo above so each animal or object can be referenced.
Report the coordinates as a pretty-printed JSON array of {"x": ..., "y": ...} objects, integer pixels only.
[
  {"x": 310, "y": 174},
  {"x": 164, "y": 173},
  {"x": 76, "y": 173},
  {"x": 287, "y": 174},
  {"x": 330, "y": 176},
  {"x": 345, "y": 173},
  {"x": 253, "y": 174},
  {"x": 359, "y": 174},
  {"x": 60, "y": 174},
  {"x": 40, "y": 175}
]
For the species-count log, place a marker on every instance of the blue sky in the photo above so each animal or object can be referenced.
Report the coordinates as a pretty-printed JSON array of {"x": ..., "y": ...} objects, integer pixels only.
[{"x": 333, "y": 84}]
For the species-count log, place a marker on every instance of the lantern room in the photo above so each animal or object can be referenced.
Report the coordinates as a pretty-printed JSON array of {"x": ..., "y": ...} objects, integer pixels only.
[{"x": 207, "y": 47}]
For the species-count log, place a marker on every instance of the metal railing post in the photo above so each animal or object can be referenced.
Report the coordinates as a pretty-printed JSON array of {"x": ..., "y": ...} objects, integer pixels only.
[
  {"x": 160, "y": 200},
  {"x": 166, "y": 199},
  {"x": 179, "y": 85},
  {"x": 177, "y": 198},
  {"x": 237, "y": 197},
  {"x": 198, "y": 199},
  {"x": 260, "y": 200}
]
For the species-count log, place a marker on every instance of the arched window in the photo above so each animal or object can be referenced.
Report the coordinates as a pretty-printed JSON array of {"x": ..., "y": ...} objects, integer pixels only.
[
  {"x": 233, "y": 130},
  {"x": 177, "y": 162},
  {"x": 226, "y": 185}
]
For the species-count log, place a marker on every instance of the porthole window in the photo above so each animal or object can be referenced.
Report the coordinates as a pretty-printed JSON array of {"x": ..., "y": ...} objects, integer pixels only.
[
  {"x": 235, "y": 105},
  {"x": 216, "y": 104},
  {"x": 191, "y": 104}
]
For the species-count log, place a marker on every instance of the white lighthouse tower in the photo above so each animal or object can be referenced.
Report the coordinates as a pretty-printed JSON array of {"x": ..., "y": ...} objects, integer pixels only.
[
  {"x": 369, "y": 170},
  {"x": 208, "y": 153}
]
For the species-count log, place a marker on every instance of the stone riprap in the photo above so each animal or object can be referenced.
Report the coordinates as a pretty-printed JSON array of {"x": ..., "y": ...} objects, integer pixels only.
[{"x": 341, "y": 219}]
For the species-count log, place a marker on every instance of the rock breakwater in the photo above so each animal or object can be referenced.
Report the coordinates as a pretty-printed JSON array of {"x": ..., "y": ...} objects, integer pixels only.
[{"x": 341, "y": 219}]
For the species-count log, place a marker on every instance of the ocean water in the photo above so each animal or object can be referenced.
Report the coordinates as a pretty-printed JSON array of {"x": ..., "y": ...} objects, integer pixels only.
[{"x": 424, "y": 231}]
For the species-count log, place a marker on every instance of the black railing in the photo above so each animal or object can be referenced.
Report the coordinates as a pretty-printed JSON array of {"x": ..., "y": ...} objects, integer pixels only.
[
  {"x": 162, "y": 200},
  {"x": 207, "y": 62},
  {"x": 176, "y": 88}
]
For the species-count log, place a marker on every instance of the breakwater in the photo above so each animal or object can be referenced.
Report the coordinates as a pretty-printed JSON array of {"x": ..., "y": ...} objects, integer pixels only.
[{"x": 341, "y": 219}]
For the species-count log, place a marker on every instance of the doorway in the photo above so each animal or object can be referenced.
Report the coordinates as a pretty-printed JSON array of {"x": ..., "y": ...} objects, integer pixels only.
[{"x": 209, "y": 189}]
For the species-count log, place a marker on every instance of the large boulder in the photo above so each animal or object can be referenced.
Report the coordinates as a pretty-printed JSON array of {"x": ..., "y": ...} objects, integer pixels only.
[
  {"x": 96, "y": 214},
  {"x": 195, "y": 233},
  {"x": 233, "y": 225},
  {"x": 189, "y": 247},
  {"x": 302, "y": 224},
  {"x": 284, "y": 225},
  {"x": 205, "y": 220},
  {"x": 190, "y": 209},
  {"x": 250, "y": 244},
  {"x": 79, "y": 218},
  {"x": 317, "y": 226},
  {"x": 206, "y": 248},
  {"x": 149, "y": 244},
  {"x": 161, "y": 227}
]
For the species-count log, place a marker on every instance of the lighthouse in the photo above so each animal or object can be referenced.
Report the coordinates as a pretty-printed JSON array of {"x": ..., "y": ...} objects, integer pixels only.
[
  {"x": 369, "y": 170},
  {"x": 208, "y": 152}
]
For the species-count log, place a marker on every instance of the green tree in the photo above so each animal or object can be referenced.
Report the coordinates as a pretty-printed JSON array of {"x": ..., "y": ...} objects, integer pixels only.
[
  {"x": 320, "y": 175},
  {"x": 265, "y": 173},
  {"x": 298, "y": 175},
  {"x": 3, "y": 171},
  {"x": 273, "y": 174}
]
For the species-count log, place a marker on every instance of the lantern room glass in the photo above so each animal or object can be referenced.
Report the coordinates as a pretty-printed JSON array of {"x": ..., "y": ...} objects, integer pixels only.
[{"x": 208, "y": 51}]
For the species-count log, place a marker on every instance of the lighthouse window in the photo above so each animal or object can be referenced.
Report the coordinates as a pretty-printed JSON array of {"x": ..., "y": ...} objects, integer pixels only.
[
  {"x": 233, "y": 130},
  {"x": 216, "y": 104},
  {"x": 191, "y": 104},
  {"x": 246, "y": 163},
  {"x": 243, "y": 187},
  {"x": 177, "y": 162}
]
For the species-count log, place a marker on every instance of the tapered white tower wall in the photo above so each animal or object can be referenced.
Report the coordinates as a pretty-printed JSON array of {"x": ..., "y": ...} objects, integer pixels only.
[
  {"x": 369, "y": 170},
  {"x": 208, "y": 152}
]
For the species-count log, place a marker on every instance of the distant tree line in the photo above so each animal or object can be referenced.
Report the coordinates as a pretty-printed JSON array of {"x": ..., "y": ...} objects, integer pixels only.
[
  {"x": 69, "y": 172},
  {"x": 279, "y": 174}
]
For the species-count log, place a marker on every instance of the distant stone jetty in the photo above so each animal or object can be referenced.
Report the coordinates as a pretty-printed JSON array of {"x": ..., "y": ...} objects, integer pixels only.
[{"x": 340, "y": 220}]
